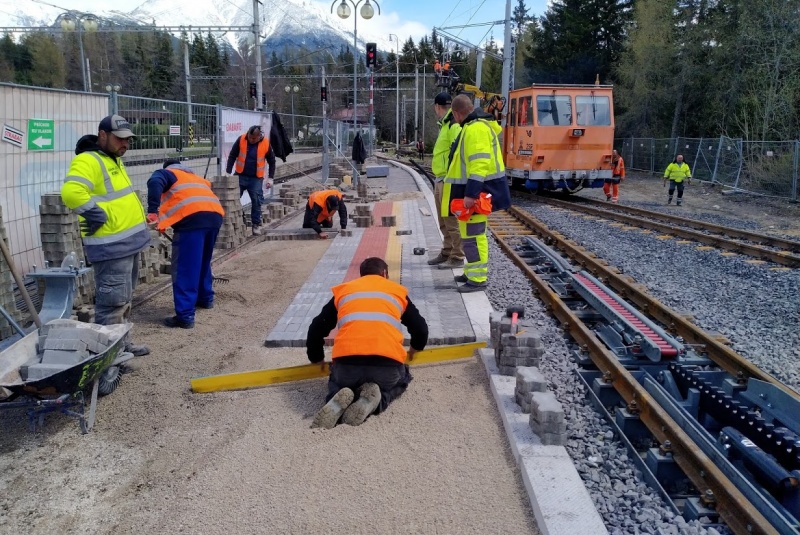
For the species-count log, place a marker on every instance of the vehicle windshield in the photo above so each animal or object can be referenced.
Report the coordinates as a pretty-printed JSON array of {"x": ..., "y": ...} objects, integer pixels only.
[
  {"x": 593, "y": 111},
  {"x": 554, "y": 110}
]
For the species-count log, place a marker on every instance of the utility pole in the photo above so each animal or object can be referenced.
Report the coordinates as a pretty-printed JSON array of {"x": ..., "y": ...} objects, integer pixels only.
[
  {"x": 478, "y": 75},
  {"x": 508, "y": 57},
  {"x": 325, "y": 160},
  {"x": 257, "y": 42},
  {"x": 416, "y": 102},
  {"x": 188, "y": 77},
  {"x": 405, "y": 129}
]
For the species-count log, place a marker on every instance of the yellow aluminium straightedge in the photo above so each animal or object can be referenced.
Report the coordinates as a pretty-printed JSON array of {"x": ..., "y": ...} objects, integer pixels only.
[{"x": 238, "y": 381}]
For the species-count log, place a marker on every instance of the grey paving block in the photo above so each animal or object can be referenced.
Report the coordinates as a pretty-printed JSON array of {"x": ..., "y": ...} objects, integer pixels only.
[
  {"x": 62, "y": 357},
  {"x": 34, "y": 372},
  {"x": 530, "y": 379},
  {"x": 65, "y": 344},
  {"x": 549, "y": 427},
  {"x": 545, "y": 408}
]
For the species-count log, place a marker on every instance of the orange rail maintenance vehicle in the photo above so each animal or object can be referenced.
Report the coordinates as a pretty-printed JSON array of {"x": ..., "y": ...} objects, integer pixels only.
[{"x": 559, "y": 137}]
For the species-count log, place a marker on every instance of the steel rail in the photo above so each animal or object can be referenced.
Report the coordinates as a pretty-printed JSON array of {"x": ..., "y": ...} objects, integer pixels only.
[
  {"x": 740, "y": 515},
  {"x": 757, "y": 237},
  {"x": 722, "y": 355},
  {"x": 779, "y": 257}
]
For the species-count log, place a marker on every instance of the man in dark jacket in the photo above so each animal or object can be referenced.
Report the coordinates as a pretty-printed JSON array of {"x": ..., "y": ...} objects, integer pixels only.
[
  {"x": 359, "y": 151},
  {"x": 178, "y": 198},
  {"x": 248, "y": 156},
  {"x": 320, "y": 208}
]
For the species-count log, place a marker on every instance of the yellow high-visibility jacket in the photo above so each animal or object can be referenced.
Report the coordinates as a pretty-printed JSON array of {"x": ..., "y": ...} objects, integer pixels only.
[
  {"x": 448, "y": 132},
  {"x": 96, "y": 180},
  {"x": 678, "y": 171}
]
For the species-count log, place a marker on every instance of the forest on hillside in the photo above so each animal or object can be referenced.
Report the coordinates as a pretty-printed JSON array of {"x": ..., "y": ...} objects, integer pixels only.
[{"x": 680, "y": 67}]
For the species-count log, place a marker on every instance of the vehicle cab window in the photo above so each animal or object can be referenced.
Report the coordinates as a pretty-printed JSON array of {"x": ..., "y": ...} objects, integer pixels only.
[
  {"x": 554, "y": 110},
  {"x": 593, "y": 111}
]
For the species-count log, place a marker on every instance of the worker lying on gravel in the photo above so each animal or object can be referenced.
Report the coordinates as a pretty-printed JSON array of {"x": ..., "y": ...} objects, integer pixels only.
[
  {"x": 368, "y": 354},
  {"x": 320, "y": 208},
  {"x": 178, "y": 198},
  {"x": 676, "y": 173}
]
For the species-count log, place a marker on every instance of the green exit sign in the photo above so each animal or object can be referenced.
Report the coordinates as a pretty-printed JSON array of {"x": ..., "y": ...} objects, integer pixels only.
[{"x": 41, "y": 134}]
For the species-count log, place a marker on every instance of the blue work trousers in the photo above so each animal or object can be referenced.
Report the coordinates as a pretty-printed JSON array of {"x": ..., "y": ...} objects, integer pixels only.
[
  {"x": 253, "y": 186},
  {"x": 191, "y": 270}
]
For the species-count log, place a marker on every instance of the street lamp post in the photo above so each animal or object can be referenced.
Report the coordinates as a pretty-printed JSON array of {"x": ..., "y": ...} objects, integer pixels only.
[
  {"x": 292, "y": 90},
  {"x": 367, "y": 13},
  {"x": 83, "y": 22},
  {"x": 113, "y": 103},
  {"x": 424, "y": 102},
  {"x": 397, "y": 94}
]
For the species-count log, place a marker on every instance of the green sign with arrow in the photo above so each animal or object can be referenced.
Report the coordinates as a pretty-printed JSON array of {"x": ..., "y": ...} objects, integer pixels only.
[{"x": 41, "y": 134}]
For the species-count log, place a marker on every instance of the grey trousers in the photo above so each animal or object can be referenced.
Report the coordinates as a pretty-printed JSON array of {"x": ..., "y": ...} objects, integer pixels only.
[
  {"x": 115, "y": 281},
  {"x": 392, "y": 380}
]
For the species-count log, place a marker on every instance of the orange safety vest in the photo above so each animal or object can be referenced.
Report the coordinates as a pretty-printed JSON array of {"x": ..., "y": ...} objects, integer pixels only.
[
  {"x": 369, "y": 310},
  {"x": 318, "y": 198},
  {"x": 189, "y": 195},
  {"x": 261, "y": 160},
  {"x": 619, "y": 169}
]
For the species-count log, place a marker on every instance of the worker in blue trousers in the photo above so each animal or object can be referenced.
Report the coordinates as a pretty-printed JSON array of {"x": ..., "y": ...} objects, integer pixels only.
[{"x": 178, "y": 198}]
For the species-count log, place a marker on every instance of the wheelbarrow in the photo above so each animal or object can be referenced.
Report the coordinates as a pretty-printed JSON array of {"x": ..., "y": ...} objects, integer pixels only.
[{"x": 43, "y": 382}]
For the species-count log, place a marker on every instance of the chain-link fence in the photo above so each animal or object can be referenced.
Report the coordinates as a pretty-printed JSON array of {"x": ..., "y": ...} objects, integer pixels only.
[
  {"x": 167, "y": 129},
  {"x": 760, "y": 167}
]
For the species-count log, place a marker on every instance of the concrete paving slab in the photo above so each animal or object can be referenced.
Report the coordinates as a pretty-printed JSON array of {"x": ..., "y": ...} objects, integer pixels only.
[{"x": 559, "y": 499}]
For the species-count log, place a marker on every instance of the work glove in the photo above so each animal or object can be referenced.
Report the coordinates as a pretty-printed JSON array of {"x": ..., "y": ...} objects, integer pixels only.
[
  {"x": 90, "y": 227},
  {"x": 152, "y": 219}
]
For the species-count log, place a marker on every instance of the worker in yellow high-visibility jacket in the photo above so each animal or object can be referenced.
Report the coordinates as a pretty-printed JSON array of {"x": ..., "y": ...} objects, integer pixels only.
[{"x": 676, "y": 173}]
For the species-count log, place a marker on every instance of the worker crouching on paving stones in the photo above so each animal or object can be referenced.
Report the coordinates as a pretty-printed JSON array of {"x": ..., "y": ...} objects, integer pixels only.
[
  {"x": 320, "y": 208},
  {"x": 178, "y": 198},
  {"x": 676, "y": 173},
  {"x": 249, "y": 157},
  {"x": 368, "y": 353},
  {"x": 111, "y": 217},
  {"x": 476, "y": 166}
]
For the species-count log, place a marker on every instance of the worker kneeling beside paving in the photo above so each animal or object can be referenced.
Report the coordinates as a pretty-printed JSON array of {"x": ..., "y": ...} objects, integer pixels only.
[{"x": 368, "y": 353}]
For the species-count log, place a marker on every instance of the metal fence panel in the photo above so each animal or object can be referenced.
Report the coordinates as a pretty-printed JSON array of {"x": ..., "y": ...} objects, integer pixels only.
[{"x": 760, "y": 167}]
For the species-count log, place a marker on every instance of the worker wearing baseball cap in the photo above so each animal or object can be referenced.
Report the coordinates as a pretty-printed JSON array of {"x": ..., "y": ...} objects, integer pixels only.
[
  {"x": 452, "y": 253},
  {"x": 112, "y": 218}
]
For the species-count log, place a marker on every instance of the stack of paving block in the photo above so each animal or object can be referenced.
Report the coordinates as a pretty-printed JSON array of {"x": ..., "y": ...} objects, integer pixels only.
[
  {"x": 363, "y": 216},
  {"x": 60, "y": 233},
  {"x": 275, "y": 211},
  {"x": 362, "y": 191},
  {"x": 547, "y": 419},
  {"x": 389, "y": 221},
  {"x": 7, "y": 300},
  {"x": 150, "y": 259},
  {"x": 233, "y": 232},
  {"x": 62, "y": 346},
  {"x": 511, "y": 349},
  {"x": 529, "y": 380},
  {"x": 289, "y": 196}
]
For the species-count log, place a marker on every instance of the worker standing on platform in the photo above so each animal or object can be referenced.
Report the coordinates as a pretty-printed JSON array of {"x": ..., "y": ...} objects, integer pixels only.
[
  {"x": 98, "y": 185},
  {"x": 249, "y": 157},
  {"x": 452, "y": 254},
  {"x": 676, "y": 173},
  {"x": 368, "y": 353},
  {"x": 611, "y": 186},
  {"x": 320, "y": 208},
  {"x": 476, "y": 171},
  {"x": 178, "y": 198}
]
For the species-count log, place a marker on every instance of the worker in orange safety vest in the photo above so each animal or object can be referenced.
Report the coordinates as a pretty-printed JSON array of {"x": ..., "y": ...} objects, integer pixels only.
[
  {"x": 320, "y": 208},
  {"x": 611, "y": 186},
  {"x": 250, "y": 154}
]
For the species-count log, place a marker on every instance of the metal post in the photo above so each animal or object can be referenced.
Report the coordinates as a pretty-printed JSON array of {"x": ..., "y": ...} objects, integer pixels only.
[
  {"x": 405, "y": 129},
  {"x": 325, "y": 161},
  {"x": 507, "y": 54},
  {"x": 220, "y": 133},
  {"x": 416, "y": 102},
  {"x": 371, "y": 117},
  {"x": 478, "y": 76},
  {"x": 716, "y": 161},
  {"x": 697, "y": 157},
  {"x": 257, "y": 43},
  {"x": 83, "y": 56},
  {"x": 88, "y": 75},
  {"x": 424, "y": 105},
  {"x": 652, "y": 155},
  {"x": 294, "y": 126},
  {"x": 186, "y": 72},
  {"x": 355, "y": 69},
  {"x": 397, "y": 97}
]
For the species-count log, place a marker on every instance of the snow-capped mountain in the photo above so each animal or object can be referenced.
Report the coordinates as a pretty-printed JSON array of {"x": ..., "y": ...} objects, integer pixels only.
[{"x": 284, "y": 23}]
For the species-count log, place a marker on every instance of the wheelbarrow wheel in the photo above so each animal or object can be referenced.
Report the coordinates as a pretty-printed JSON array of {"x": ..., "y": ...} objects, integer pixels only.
[{"x": 109, "y": 380}]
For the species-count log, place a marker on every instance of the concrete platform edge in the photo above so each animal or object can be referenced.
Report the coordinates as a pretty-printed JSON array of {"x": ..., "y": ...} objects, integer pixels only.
[
  {"x": 421, "y": 185},
  {"x": 558, "y": 497}
]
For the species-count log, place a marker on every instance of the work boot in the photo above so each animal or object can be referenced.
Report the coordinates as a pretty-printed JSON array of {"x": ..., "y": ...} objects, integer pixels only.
[
  {"x": 369, "y": 397},
  {"x": 330, "y": 413},
  {"x": 173, "y": 321},
  {"x": 138, "y": 351},
  {"x": 438, "y": 260},
  {"x": 679, "y": 202},
  {"x": 614, "y": 200},
  {"x": 608, "y": 197},
  {"x": 470, "y": 287},
  {"x": 669, "y": 201},
  {"x": 452, "y": 263},
  {"x": 461, "y": 278},
  {"x": 256, "y": 230},
  {"x": 207, "y": 306}
]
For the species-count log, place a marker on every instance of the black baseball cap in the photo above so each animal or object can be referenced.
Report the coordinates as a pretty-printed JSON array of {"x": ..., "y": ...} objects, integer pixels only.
[
  {"x": 443, "y": 99},
  {"x": 117, "y": 125},
  {"x": 170, "y": 161}
]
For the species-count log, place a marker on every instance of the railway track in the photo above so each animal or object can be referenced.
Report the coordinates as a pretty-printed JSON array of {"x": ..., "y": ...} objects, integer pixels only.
[
  {"x": 731, "y": 428},
  {"x": 759, "y": 246}
]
